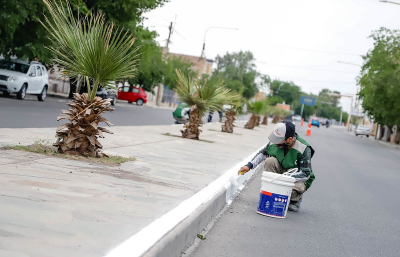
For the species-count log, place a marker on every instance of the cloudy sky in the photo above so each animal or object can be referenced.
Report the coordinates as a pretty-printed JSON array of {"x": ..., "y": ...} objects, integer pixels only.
[{"x": 303, "y": 41}]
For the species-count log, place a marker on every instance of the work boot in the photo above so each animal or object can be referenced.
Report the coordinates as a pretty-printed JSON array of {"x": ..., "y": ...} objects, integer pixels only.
[{"x": 294, "y": 206}]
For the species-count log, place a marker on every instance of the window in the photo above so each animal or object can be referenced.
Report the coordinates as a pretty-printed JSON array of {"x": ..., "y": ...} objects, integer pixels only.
[
  {"x": 43, "y": 70},
  {"x": 14, "y": 66},
  {"x": 38, "y": 71},
  {"x": 125, "y": 89},
  {"x": 135, "y": 90},
  {"x": 32, "y": 71}
]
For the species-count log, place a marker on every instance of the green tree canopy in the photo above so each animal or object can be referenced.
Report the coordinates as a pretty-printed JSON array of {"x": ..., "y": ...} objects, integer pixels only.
[
  {"x": 238, "y": 70},
  {"x": 379, "y": 79},
  {"x": 288, "y": 91},
  {"x": 174, "y": 63},
  {"x": 24, "y": 37}
]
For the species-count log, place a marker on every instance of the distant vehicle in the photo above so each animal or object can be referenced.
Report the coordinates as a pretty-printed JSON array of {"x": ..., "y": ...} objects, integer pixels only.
[
  {"x": 132, "y": 94},
  {"x": 108, "y": 93},
  {"x": 297, "y": 118},
  {"x": 362, "y": 130},
  {"x": 323, "y": 122},
  {"x": 315, "y": 122},
  {"x": 21, "y": 78}
]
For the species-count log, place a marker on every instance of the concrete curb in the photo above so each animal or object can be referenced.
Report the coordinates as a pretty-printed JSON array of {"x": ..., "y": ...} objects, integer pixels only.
[{"x": 174, "y": 232}]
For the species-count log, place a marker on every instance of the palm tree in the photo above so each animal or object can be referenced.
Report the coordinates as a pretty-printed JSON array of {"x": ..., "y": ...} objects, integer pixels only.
[
  {"x": 266, "y": 112},
  {"x": 230, "y": 115},
  {"x": 88, "y": 49},
  {"x": 256, "y": 109},
  {"x": 279, "y": 114},
  {"x": 201, "y": 96}
]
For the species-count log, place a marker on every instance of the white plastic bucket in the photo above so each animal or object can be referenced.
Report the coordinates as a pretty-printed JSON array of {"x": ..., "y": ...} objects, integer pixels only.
[{"x": 275, "y": 194}]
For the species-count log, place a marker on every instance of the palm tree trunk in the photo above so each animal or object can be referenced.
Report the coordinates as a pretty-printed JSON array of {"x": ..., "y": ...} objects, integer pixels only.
[
  {"x": 230, "y": 118},
  {"x": 265, "y": 121},
  {"x": 388, "y": 133},
  {"x": 381, "y": 132},
  {"x": 192, "y": 130},
  {"x": 276, "y": 119},
  {"x": 258, "y": 119},
  {"x": 252, "y": 122},
  {"x": 80, "y": 136},
  {"x": 397, "y": 138}
]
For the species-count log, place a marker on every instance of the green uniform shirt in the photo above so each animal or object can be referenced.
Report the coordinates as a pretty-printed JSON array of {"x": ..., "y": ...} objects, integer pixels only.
[
  {"x": 299, "y": 156},
  {"x": 181, "y": 111}
]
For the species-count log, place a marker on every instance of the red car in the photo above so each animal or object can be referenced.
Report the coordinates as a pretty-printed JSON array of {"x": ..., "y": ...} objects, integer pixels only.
[{"x": 132, "y": 94}]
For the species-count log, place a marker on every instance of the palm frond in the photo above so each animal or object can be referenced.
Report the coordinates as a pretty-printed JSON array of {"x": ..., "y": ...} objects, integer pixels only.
[
  {"x": 89, "y": 46},
  {"x": 255, "y": 107},
  {"x": 211, "y": 94}
]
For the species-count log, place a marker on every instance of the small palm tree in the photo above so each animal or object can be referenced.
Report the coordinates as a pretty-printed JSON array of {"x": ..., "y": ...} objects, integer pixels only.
[
  {"x": 201, "y": 96},
  {"x": 256, "y": 109},
  {"x": 279, "y": 114},
  {"x": 230, "y": 115},
  {"x": 266, "y": 112},
  {"x": 91, "y": 50}
]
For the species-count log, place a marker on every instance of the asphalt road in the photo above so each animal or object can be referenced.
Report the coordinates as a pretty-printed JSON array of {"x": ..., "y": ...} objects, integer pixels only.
[
  {"x": 352, "y": 208},
  {"x": 34, "y": 114}
]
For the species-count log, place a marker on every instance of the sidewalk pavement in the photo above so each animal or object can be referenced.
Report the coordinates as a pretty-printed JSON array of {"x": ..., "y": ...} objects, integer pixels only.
[
  {"x": 58, "y": 207},
  {"x": 375, "y": 140}
]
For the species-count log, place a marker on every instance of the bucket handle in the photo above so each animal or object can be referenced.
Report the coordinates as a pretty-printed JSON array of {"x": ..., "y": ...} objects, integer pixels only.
[{"x": 289, "y": 173}]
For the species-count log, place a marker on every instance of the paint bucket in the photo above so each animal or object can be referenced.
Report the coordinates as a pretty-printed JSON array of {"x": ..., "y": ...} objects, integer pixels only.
[{"x": 275, "y": 194}]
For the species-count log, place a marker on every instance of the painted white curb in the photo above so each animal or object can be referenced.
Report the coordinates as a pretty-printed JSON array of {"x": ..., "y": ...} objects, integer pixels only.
[{"x": 142, "y": 241}]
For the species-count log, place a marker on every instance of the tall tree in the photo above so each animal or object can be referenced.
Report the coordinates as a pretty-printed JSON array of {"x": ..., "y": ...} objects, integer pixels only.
[
  {"x": 238, "y": 70},
  {"x": 379, "y": 78},
  {"x": 174, "y": 63},
  {"x": 23, "y": 36},
  {"x": 288, "y": 91}
]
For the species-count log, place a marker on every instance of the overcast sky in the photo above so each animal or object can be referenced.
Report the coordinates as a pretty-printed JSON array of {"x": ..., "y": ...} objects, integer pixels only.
[{"x": 294, "y": 40}]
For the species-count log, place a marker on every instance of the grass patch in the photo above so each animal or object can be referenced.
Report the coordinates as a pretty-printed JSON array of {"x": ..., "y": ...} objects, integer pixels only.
[
  {"x": 44, "y": 147},
  {"x": 224, "y": 132},
  {"x": 168, "y": 134}
]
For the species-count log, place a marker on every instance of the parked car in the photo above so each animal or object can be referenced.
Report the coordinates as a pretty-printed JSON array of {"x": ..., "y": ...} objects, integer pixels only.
[
  {"x": 315, "y": 122},
  {"x": 297, "y": 118},
  {"x": 108, "y": 93},
  {"x": 21, "y": 78},
  {"x": 362, "y": 130},
  {"x": 132, "y": 94}
]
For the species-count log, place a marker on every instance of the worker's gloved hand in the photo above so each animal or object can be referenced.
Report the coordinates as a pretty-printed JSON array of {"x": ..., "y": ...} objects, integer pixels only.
[{"x": 243, "y": 170}]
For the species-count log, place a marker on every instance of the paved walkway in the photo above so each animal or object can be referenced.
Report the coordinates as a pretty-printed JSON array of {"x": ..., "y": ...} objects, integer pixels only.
[{"x": 58, "y": 207}]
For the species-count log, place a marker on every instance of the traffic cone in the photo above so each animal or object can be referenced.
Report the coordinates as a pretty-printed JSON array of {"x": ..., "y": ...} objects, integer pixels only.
[
  {"x": 309, "y": 130},
  {"x": 302, "y": 121}
]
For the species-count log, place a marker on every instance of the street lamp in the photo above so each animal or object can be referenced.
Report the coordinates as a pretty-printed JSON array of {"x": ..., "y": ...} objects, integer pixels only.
[
  {"x": 385, "y": 1},
  {"x": 354, "y": 64},
  {"x": 351, "y": 104},
  {"x": 204, "y": 45}
]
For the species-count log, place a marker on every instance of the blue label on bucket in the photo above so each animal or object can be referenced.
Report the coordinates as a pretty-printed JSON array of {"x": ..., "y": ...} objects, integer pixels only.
[{"x": 273, "y": 204}]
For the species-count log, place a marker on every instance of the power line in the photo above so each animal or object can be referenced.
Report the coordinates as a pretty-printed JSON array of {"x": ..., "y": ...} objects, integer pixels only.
[
  {"x": 304, "y": 68},
  {"x": 157, "y": 24},
  {"x": 319, "y": 81},
  {"x": 179, "y": 34},
  {"x": 311, "y": 50}
]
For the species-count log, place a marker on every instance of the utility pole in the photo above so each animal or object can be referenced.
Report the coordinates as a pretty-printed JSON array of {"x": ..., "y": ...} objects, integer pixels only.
[
  {"x": 169, "y": 35},
  {"x": 160, "y": 90}
]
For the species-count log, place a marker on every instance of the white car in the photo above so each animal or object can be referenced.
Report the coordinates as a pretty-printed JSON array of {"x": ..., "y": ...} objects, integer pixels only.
[
  {"x": 21, "y": 78},
  {"x": 362, "y": 130},
  {"x": 297, "y": 118}
]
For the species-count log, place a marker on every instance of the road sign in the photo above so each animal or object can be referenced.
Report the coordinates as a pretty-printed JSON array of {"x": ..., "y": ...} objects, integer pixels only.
[{"x": 307, "y": 100}]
